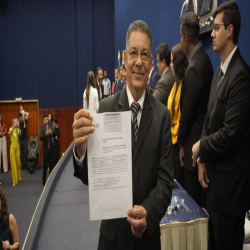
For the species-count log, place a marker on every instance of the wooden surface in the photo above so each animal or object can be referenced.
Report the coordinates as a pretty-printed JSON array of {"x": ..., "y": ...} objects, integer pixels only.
[
  {"x": 11, "y": 109},
  {"x": 65, "y": 117}
]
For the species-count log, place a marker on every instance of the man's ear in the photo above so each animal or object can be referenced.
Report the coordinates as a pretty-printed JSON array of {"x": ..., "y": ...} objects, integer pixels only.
[
  {"x": 230, "y": 30},
  {"x": 186, "y": 38},
  {"x": 125, "y": 58},
  {"x": 163, "y": 60}
]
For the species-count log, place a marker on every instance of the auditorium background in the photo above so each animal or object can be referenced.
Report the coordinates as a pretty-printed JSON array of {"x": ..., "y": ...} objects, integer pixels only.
[{"x": 47, "y": 47}]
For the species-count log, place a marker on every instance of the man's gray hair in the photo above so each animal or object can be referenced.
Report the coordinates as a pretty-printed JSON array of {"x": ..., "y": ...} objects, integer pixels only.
[{"x": 141, "y": 26}]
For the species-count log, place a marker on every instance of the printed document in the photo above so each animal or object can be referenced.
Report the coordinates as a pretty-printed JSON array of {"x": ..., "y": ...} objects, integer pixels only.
[{"x": 110, "y": 166}]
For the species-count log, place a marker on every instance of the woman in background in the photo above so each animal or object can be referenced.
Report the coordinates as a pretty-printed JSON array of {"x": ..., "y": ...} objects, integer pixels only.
[
  {"x": 15, "y": 162},
  {"x": 178, "y": 66},
  {"x": 56, "y": 134},
  {"x": 3, "y": 145},
  {"x": 9, "y": 239},
  {"x": 90, "y": 95}
]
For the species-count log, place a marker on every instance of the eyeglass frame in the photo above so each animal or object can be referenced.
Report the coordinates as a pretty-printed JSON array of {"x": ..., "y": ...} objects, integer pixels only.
[
  {"x": 137, "y": 54},
  {"x": 216, "y": 28}
]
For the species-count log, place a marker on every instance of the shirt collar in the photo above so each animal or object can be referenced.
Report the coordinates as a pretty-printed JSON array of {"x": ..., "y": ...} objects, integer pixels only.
[
  {"x": 131, "y": 99},
  {"x": 196, "y": 47},
  {"x": 151, "y": 72},
  {"x": 164, "y": 72},
  {"x": 226, "y": 63}
]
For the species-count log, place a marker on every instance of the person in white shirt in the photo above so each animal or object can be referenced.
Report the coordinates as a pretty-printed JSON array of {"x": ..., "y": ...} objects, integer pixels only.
[
  {"x": 106, "y": 84},
  {"x": 90, "y": 95}
]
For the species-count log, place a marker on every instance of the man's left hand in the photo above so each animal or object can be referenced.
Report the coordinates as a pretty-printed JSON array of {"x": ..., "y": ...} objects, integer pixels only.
[
  {"x": 137, "y": 218},
  {"x": 195, "y": 151}
]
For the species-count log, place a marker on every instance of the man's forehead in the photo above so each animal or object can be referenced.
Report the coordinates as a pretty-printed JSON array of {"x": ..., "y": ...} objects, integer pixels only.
[{"x": 138, "y": 35}]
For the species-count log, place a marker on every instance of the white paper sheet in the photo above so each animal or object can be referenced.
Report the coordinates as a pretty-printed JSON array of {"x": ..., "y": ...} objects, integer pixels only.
[{"x": 110, "y": 166}]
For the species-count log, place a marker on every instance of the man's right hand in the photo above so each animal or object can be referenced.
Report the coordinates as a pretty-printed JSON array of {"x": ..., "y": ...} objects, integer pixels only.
[{"x": 82, "y": 127}]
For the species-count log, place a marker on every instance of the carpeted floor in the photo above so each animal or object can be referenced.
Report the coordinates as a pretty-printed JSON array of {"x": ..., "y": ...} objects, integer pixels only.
[
  {"x": 66, "y": 224},
  {"x": 22, "y": 199}
]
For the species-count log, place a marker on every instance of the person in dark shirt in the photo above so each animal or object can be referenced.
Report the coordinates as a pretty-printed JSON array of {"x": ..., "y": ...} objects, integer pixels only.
[
  {"x": 23, "y": 139},
  {"x": 46, "y": 138},
  {"x": 8, "y": 226},
  {"x": 56, "y": 146}
]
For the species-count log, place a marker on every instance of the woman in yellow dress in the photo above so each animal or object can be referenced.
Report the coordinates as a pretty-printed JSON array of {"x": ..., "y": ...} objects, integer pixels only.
[
  {"x": 15, "y": 162},
  {"x": 178, "y": 67}
]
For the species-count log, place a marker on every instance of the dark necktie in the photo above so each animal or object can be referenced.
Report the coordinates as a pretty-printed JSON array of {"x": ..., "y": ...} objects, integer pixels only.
[
  {"x": 220, "y": 75},
  {"x": 135, "y": 107}
]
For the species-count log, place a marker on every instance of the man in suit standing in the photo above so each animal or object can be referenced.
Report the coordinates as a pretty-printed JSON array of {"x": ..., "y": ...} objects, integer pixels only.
[
  {"x": 152, "y": 171},
  {"x": 166, "y": 82},
  {"x": 98, "y": 83},
  {"x": 46, "y": 138},
  {"x": 153, "y": 76},
  {"x": 223, "y": 153},
  {"x": 194, "y": 98}
]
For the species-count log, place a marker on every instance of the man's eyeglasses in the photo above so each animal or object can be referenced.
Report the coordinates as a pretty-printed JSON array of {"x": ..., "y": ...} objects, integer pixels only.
[
  {"x": 217, "y": 26},
  {"x": 145, "y": 56}
]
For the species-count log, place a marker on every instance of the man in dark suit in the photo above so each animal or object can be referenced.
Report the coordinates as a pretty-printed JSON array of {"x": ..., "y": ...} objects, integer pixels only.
[
  {"x": 98, "y": 83},
  {"x": 224, "y": 147},
  {"x": 166, "y": 82},
  {"x": 46, "y": 138},
  {"x": 152, "y": 171},
  {"x": 194, "y": 98},
  {"x": 153, "y": 76}
]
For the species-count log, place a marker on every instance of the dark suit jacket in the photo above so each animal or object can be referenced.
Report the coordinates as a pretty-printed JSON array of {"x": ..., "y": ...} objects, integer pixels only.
[
  {"x": 97, "y": 88},
  {"x": 154, "y": 78},
  {"x": 45, "y": 138},
  {"x": 225, "y": 146},
  {"x": 164, "y": 86},
  {"x": 194, "y": 98},
  {"x": 152, "y": 174}
]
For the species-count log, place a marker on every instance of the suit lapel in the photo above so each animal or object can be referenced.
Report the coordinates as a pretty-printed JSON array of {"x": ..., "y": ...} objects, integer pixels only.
[
  {"x": 146, "y": 118},
  {"x": 213, "y": 92}
]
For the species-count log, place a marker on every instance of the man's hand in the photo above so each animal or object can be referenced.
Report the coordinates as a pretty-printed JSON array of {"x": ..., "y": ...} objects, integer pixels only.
[
  {"x": 182, "y": 156},
  {"x": 82, "y": 127},
  {"x": 137, "y": 218},
  {"x": 195, "y": 151},
  {"x": 6, "y": 245},
  {"x": 202, "y": 175}
]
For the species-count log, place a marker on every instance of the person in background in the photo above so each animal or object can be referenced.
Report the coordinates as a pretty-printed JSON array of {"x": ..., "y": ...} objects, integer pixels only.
[
  {"x": 153, "y": 77},
  {"x": 3, "y": 145},
  {"x": 9, "y": 239},
  {"x": 51, "y": 126},
  {"x": 223, "y": 152},
  {"x": 56, "y": 134},
  {"x": 23, "y": 139},
  {"x": 90, "y": 95},
  {"x": 166, "y": 82},
  {"x": 46, "y": 138},
  {"x": 194, "y": 99},
  {"x": 25, "y": 114},
  {"x": 106, "y": 85},
  {"x": 178, "y": 65},
  {"x": 98, "y": 83},
  {"x": 125, "y": 78},
  {"x": 114, "y": 83},
  {"x": 14, "y": 133}
]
